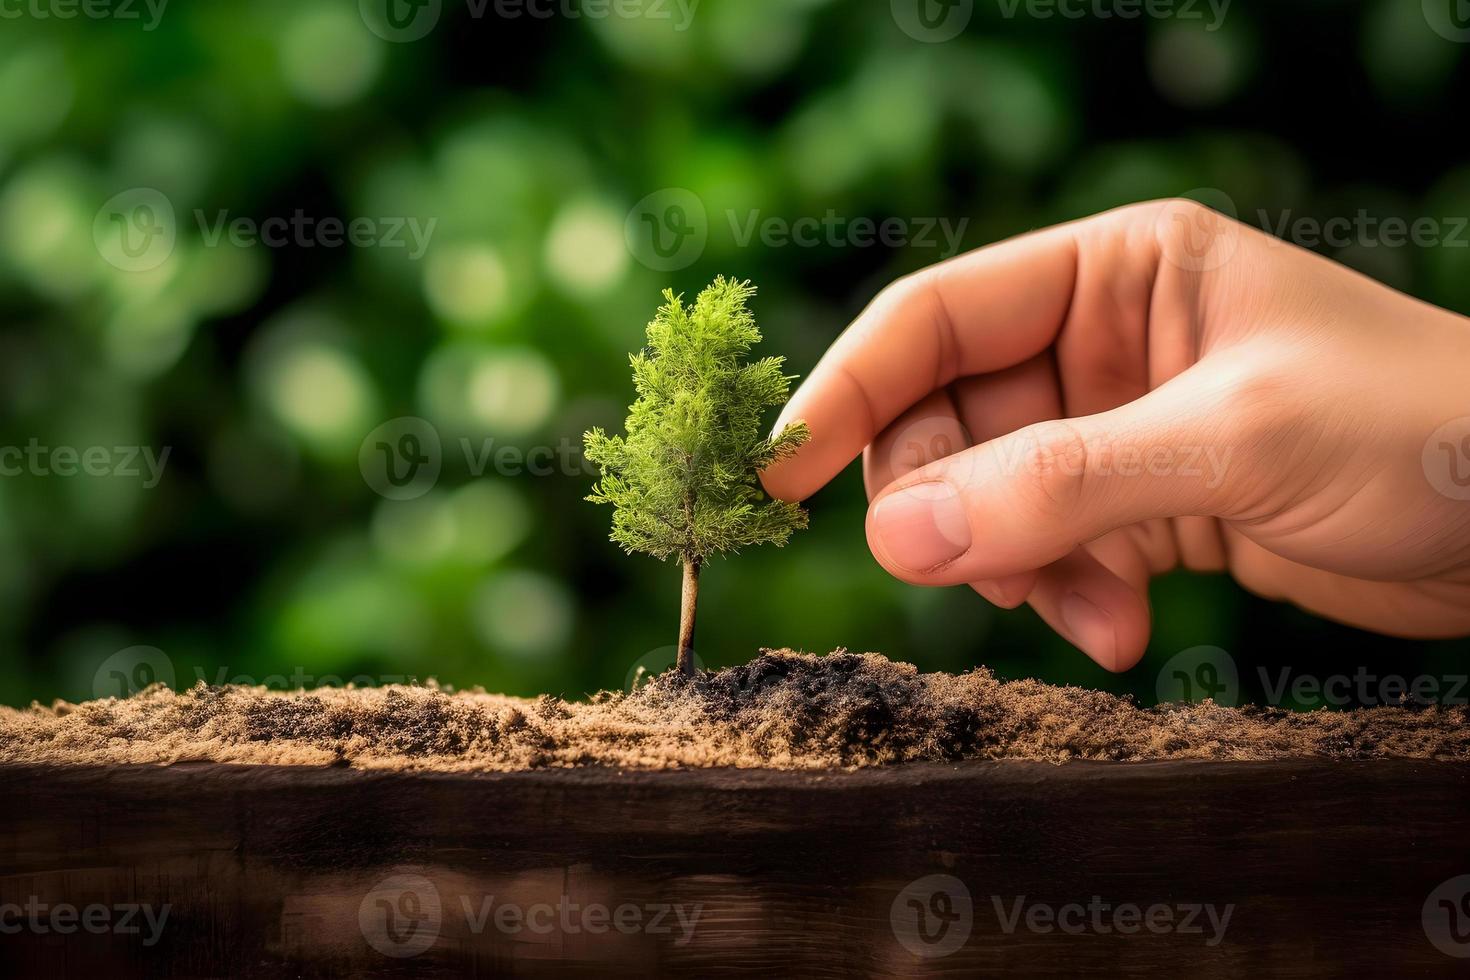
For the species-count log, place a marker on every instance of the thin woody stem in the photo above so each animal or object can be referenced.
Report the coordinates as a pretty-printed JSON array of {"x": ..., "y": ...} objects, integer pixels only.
[{"x": 686, "y": 617}]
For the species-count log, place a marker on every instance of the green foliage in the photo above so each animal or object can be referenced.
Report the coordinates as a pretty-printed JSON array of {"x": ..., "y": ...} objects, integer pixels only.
[
  {"x": 273, "y": 365},
  {"x": 683, "y": 480}
]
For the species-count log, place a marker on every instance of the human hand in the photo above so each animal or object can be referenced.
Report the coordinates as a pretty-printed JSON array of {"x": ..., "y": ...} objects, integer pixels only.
[{"x": 1057, "y": 418}]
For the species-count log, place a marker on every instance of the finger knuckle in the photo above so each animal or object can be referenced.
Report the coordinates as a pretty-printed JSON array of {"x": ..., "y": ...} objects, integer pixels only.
[
  {"x": 916, "y": 286},
  {"x": 1057, "y": 462},
  {"x": 1186, "y": 206},
  {"x": 1252, "y": 406}
]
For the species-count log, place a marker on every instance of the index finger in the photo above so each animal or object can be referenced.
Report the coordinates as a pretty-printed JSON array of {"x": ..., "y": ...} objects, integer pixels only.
[{"x": 983, "y": 311}]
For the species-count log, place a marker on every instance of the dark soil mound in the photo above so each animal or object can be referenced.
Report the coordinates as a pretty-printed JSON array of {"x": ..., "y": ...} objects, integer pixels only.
[{"x": 783, "y": 710}]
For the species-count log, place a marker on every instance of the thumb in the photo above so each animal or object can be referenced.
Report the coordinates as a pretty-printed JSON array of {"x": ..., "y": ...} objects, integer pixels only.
[{"x": 1026, "y": 500}]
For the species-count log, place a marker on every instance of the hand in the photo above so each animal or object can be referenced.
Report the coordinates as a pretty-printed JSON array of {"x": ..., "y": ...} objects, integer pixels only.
[{"x": 1059, "y": 417}]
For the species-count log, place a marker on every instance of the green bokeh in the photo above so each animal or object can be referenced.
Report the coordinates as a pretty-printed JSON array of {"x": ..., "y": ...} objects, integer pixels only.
[{"x": 497, "y": 159}]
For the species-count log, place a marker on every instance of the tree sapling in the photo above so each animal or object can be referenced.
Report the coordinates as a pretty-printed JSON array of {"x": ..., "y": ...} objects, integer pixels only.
[{"x": 683, "y": 480}]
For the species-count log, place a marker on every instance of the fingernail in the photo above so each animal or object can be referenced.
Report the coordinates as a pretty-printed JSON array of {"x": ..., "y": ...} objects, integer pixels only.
[
  {"x": 1091, "y": 629},
  {"x": 923, "y": 526}
]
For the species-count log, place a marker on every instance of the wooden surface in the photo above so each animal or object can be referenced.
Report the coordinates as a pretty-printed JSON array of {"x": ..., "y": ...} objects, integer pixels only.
[{"x": 1325, "y": 867}]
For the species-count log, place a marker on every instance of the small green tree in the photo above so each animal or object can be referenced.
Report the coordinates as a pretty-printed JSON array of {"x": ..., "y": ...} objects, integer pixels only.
[{"x": 683, "y": 481}]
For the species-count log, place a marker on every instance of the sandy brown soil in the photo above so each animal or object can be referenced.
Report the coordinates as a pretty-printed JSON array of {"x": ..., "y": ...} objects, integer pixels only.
[{"x": 782, "y": 711}]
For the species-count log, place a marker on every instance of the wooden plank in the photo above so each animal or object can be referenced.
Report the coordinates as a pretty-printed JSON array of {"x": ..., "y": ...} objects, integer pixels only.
[{"x": 1322, "y": 868}]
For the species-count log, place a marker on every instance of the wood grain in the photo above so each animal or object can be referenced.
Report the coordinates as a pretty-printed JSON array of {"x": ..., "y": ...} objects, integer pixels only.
[{"x": 1325, "y": 868}]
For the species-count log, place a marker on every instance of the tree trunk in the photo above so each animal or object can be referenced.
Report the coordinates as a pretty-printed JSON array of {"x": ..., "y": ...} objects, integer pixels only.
[{"x": 686, "y": 617}]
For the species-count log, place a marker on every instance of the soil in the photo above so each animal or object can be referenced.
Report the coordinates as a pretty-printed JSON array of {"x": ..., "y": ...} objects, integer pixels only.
[{"x": 781, "y": 711}]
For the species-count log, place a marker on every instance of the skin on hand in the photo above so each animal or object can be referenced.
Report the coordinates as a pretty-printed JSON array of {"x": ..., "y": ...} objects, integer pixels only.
[{"x": 1057, "y": 418}]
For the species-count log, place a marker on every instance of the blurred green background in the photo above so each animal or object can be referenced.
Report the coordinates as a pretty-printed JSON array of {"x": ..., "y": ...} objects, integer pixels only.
[{"x": 527, "y": 140}]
